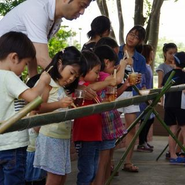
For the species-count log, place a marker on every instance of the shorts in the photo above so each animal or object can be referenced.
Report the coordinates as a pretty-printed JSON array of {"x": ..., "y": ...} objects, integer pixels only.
[
  {"x": 107, "y": 144},
  {"x": 173, "y": 116},
  {"x": 130, "y": 108},
  {"x": 33, "y": 174},
  {"x": 53, "y": 155}
]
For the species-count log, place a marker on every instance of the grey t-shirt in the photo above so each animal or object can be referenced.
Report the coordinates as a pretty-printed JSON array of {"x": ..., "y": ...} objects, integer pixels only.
[{"x": 164, "y": 67}]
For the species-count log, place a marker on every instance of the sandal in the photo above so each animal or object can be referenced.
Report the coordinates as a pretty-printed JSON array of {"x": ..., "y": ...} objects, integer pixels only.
[
  {"x": 129, "y": 167},
  {"x": 177, "y": 160}
]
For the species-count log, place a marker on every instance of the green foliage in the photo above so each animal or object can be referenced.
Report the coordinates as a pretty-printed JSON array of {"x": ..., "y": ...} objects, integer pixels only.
[
  {"x": 7, "y": 5},
  {"x": 147, "y": 10},
  {"x": 61, "y": 40}
]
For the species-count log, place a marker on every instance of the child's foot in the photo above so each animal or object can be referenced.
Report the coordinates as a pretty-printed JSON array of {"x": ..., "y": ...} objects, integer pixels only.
[
  {"x": 129, "y": 167},
  {"x": 144, "y": 148}
]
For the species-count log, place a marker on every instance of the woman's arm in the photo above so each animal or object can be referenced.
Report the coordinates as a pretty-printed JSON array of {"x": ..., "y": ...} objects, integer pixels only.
[{"x": 160, "y": 78}]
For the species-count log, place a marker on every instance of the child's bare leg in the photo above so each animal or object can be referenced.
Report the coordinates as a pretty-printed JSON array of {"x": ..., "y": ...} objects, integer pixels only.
[
  {"x": 108, "y": 169},
  {"x": 172, "y": 143},
  {"x": 183, "y": 134},
  {"x": 129, "y": 118},
  {"x": 63, "y": 180},
  {"x": 53, "y": 179},
  {"x": 104, "y": 159},
  {"x": 180, "y": 138}
]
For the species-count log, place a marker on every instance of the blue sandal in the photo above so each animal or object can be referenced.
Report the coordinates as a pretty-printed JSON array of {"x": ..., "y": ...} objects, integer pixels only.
[{"x": 177, "y": 160}]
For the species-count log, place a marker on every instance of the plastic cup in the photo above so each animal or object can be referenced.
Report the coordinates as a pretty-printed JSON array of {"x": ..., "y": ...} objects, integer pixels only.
[
  {"x": 78, "y": 97},
  {"x": 133, "y": 78},
  {"x": 111, "y": 93}
]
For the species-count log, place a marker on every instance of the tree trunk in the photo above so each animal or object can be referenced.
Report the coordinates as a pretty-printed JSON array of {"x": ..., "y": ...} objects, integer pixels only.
[
  {"x": 153, "y": 25},
  {"x": 121, "y": 22},
  {"x": 139, "y": 19}
]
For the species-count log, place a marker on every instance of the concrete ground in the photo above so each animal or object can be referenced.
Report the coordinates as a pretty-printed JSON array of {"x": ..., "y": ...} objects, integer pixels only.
[{"x": 150, "y": 171}]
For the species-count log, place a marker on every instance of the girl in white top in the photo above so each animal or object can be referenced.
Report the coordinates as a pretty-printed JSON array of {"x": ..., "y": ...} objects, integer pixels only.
[
  {"x": 53, "y": 143},
  {"x": 16, "y": 51}
]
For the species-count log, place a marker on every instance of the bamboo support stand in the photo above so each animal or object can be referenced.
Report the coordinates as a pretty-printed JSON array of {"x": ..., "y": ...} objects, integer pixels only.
[{"x": 146, "y": 112}]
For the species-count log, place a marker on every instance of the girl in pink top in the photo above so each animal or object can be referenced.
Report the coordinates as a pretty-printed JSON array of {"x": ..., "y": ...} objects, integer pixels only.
[{"x": 112, "y": 125}]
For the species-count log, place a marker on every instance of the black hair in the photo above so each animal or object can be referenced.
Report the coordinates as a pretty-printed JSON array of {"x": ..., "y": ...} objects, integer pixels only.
[
  {"x": 92, "y": 60},
  {"x": 140, "y": 30},
  {"x": 168, "y": 46},
  {"x": 105, "y": 52},
  {"x": 70, "y": 56},
  {"x": 107, "y": 41},
  {"x": 146, "y": 50},
  {"x": 98, "y": 26},
  {"x": 16, "y": 42}
]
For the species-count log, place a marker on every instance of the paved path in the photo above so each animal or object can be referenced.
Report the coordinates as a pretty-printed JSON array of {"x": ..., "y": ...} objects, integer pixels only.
[{"x": 150, "y": 171}]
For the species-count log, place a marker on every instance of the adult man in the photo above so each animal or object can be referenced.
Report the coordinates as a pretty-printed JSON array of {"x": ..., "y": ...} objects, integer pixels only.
[{"x": 40, "y": 20}]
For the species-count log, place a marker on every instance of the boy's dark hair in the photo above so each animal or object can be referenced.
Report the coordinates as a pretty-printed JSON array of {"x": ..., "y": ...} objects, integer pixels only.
[
  {"x": 140, "y": 30},
  {"x": 105, "y": 52},
  {"x": 70, "y": 56},
  {"x": 16, "y": 42},
  {"x": 98, "y": 26},
  {"x": 180, "y": 59},
  {"x": 91, "y": 60},
  {"x": 107, "y": 41}
]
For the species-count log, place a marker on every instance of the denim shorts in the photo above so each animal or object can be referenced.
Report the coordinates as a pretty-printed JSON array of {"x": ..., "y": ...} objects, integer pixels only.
[
  {"x": 88, "y": 155},
  {"x": 13, "y": 166},
  {"x": 33, "y": 174},
  {"x": 107, "y": 144}
]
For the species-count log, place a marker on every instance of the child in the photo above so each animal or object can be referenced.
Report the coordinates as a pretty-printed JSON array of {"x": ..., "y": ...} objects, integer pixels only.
[
  {"x": 53, "y": 143},
  {"x": 16, "y": 51},
  {"x": 110, "y": 42},
  {"x": 34, "y": 176},
  {"x": 134, "y": 38},
  {"x": 169, "y": 49},
  {"x": 174, "y": 113},
  {"x": 100, "y": 27},
  {"x": 147, "y": 83},
  {"x": 87, "y": 131},
  {"x": 112, "y": 125}
]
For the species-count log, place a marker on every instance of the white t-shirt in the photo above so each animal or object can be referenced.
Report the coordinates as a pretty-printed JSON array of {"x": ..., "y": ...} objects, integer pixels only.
[
  {"x": 34, "y": 18},
  {"x": 11, "y": 88}
]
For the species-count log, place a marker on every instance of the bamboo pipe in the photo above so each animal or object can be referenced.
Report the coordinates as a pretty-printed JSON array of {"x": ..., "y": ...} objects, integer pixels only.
[{"x": 23, "y": 112}]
